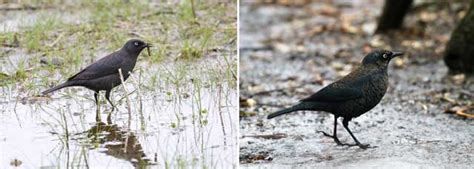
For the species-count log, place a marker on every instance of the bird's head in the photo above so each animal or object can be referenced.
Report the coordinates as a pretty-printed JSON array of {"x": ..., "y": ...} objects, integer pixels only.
[
  {"x": 136, "y": 46},
  {"x": 380, "y": 57}
]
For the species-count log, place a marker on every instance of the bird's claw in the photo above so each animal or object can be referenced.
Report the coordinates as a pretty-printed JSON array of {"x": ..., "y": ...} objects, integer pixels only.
[
  {"x": 325, "y": 134},
  {"x": 362, "y": 146},
  {"x": 333, "y": 137}
]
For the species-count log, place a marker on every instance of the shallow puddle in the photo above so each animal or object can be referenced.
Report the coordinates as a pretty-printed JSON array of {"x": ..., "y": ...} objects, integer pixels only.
[{"x": 192, "y": 124}]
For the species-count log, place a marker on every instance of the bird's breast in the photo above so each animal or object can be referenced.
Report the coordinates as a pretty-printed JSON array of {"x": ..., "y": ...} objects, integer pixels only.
[
  {"x": 375, "y": 89},
  {"x": 127, "y": 67}
]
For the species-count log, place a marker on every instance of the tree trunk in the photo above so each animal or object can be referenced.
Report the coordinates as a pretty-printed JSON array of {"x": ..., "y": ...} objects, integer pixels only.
[
  {"x": 459, "y": 54},
  {"x": 392, "y": 15}
]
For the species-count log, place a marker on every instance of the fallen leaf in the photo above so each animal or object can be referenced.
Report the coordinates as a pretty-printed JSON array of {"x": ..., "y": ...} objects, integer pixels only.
[
  {"x": 247, "y": 102},
  {"x": 428, "y": 16},
  {"x": 448, "y": 99},
  {"x": 367, "y": 48},
  {"x": 337, "y": 66},
  {"x": 461, "y": 14},
  {"x": 377, "y": 42},
  {"x": 329, "y": 10},
  {"x": 399, "y": 62},
  {"x": 316, "y": 30},
  {"x": 458, "y": 79},
  {"x": 318, "y": 79},
  {"x": 347, "y": 27},
  {"x": 283, "y": 48},
  {"x": 416, "y": 45},
  {"x": 369, "y": 28},
  {"x": 461, "y": 111}
]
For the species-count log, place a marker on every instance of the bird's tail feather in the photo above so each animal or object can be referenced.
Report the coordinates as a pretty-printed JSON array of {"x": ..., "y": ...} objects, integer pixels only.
[
  {"x": 300, "y": 106},
  {"x": 63, "y": 85}
]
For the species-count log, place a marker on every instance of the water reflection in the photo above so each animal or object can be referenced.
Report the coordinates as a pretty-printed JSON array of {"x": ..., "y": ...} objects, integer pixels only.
[{"x": 117, "y": 142}]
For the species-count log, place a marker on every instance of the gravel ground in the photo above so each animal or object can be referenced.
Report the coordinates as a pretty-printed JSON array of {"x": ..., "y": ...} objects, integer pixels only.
[{"x": 291, "y": 51}]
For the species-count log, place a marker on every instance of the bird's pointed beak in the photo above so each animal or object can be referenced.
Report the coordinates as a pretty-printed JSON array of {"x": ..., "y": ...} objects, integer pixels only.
[
  {"x": 395, "y": 54},
  {"x": 148, "y": 48}
]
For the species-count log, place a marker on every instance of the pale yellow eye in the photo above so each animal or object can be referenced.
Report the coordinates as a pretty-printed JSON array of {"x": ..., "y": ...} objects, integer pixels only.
[{"x": 384, "y": 56}]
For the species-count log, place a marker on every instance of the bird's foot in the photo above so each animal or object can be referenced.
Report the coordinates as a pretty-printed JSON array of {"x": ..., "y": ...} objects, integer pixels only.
[
  {"x": 325, "y": 134},
  {"x": 333, "y": 137},
  {"x": 336, "y": 140},
  {"x": 362, "y": 146}
]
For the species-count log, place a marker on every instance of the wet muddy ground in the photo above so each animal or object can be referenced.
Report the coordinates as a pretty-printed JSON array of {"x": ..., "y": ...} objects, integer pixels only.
[
  {"x": 177, "y": 110},
  {"x": 291, "y": 51}
]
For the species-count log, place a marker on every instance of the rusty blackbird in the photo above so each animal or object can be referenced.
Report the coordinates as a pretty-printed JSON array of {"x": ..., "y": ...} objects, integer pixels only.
[
  {"x": 351, "y": 96},
  {"x": 103, "y": 74}
]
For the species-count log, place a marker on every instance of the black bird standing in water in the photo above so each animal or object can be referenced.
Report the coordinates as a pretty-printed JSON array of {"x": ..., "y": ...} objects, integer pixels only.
[
  {"x": 351, "y": 96},
  {"x": 104, "y": 73}
]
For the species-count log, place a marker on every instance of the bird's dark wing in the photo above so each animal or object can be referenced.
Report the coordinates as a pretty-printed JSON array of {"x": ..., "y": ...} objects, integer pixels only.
[
  {"x": 103, "y": 67},
  {"x": 348, "y": 88},
  {"x": 334, "y": 94}
]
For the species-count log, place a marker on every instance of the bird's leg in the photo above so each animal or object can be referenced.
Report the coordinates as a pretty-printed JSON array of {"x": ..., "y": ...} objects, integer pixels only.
[
  {"x": 345, "y": 123},
  {"x": 334, "y": 136},
  {"x": 107, "y": 96},
  {"x": 97, "y": 114}
]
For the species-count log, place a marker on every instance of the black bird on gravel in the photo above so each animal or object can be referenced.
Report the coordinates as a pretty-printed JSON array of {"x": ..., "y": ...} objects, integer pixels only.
[
  {"x": 351, "y": 96},
  {"x": 104, "y": 73}
]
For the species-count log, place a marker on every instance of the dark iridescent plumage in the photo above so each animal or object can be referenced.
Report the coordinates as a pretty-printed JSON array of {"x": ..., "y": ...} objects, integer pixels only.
[
  {"x": 351, "y": 96},
  {"x": 103, "y": 74}
]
